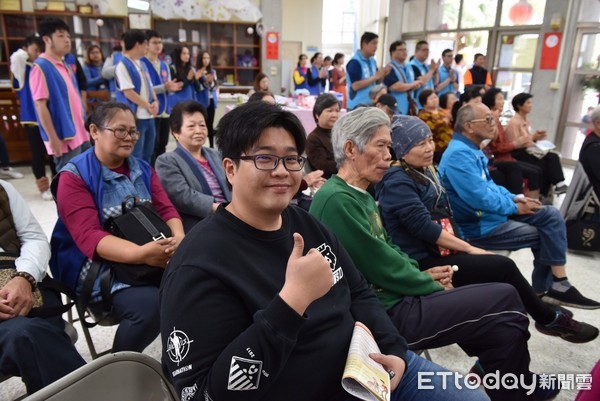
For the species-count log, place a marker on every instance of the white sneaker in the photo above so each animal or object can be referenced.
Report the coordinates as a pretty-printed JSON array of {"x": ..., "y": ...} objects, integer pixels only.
[
  {"x": 47, "y": 195},
  {"x": 9, "y": 173}
]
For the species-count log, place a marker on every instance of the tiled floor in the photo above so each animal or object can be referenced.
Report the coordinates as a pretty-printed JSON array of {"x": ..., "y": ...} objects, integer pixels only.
[{"x": 548, "y": 354}]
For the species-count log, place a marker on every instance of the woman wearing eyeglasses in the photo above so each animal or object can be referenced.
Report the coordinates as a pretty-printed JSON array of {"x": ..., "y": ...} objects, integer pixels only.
[
  {"x": 89, "y": 190},
  {"x": 415, "y": 212},
  {"x": 192, "y": 174}
]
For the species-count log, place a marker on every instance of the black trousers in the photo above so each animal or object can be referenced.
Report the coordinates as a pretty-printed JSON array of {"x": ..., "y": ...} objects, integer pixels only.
[
  {"x": 162, "y": 136},
  {"x": 508, "y": 175},
  {"x": 39, "y": 155},
  {"x": 37, "y": 349},
  {"x": 210, "y": 120},
  {"x": 549, "y": 165},
  {"x": 485, "y": 320},
  {"x": 475, "y": 269}
]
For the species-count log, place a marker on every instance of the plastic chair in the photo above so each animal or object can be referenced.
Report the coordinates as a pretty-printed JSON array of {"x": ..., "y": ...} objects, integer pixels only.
[{"x": 122, "y": 376}]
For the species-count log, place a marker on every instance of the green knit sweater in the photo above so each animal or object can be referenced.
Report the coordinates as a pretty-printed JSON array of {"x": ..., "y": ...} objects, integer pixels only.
[{"x": 354, "y": 218}]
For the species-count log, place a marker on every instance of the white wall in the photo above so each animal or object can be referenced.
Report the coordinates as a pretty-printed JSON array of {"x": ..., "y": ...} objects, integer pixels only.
[{"x": 302, "y": 21}]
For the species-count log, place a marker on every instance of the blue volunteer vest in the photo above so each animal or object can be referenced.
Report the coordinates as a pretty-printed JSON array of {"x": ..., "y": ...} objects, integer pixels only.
[
  {"x": 136, "y": 79},
  {"x": 60, "y": 110},
  {"x": 443, "y": 74},
  {"x": 27, "y": 108},
  {"x": 404, "y": 75},
  {"x": 108, "y": 189},
  {"x": 304, "y": 84},
  {"x": 163, "y": 103},
  {"x": 317, "y": 88},
  {"x": 369, "y": 68},
  {"x": 112, "y": 83}
]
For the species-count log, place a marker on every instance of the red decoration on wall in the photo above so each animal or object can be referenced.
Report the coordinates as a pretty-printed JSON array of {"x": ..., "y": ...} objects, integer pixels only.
[
  {"x": 550, "y": 51},
  {"x": 272, "y": 45},
  {"x": 520, "y": 13}
]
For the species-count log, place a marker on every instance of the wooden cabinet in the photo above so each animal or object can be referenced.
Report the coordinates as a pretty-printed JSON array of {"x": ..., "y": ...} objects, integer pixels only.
[
  {"x": 14, "y": 27},
  {"x": 235, "y": 53}
]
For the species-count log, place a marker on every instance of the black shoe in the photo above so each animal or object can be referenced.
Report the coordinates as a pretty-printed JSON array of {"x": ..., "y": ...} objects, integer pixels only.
[
  {"x": 556, "y": 308},
  {"x": 568, "y": 329},
  {"x": 571, "y": 297},
  {"x": 561, "y": 189}
]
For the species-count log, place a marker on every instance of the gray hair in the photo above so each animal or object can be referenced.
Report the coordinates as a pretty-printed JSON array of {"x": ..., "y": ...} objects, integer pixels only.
[
  {"x": 375, "y": 89},
  {"x": 357, "y": 126},
  {"x": 464, "y": 115},
  {"x": 595, "y": 114}
]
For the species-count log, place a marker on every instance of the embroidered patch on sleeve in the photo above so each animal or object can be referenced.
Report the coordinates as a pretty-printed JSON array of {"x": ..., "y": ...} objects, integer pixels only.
[{"x": 244, "y": 374}]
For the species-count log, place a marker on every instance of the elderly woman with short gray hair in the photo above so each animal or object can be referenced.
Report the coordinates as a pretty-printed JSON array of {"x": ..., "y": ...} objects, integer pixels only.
[{"x": 589, "y": 155}]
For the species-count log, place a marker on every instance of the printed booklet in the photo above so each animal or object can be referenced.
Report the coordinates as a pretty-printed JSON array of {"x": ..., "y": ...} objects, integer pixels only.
[{"x": 363, "y": 377}]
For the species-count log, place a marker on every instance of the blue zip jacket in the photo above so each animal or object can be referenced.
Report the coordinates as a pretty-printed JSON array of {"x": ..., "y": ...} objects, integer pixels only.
[{"x": 479, "y": 205}]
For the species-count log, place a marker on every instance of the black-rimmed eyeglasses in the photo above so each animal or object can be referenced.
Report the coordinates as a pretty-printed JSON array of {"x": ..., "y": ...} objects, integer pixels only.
[
  {"x": 121, "y": 133},
  {"x": 270, "y": 162}
]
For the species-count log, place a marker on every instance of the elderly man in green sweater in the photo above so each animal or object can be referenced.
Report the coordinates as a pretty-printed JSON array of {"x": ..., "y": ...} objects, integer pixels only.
[{"x": 485, "y": 320}]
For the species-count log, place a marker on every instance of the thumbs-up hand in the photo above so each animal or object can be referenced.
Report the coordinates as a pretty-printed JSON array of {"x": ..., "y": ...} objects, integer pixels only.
[{"x": 307, "y": 278}]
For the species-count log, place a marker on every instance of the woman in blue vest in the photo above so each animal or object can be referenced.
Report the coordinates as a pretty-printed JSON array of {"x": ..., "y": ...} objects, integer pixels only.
[
  {"x": 89, "y": 190},
  {"x": 92, "y": 69},
  {"x": 316, "y": 75},
  {"x": 300, "y": 72},
  {"x": 192, "y": 174},
  {"x": 182, "y": 71},
  {"x": 207, "y": 90}
]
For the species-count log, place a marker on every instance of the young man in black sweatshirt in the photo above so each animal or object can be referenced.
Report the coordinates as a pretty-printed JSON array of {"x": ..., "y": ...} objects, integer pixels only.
[{"x": 260, "y": 301}]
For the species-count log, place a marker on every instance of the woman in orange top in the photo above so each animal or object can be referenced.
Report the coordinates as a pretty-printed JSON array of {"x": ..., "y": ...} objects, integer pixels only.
[
  {"x": 338, "y": 77},
  {"x": 437, "y": 120}
]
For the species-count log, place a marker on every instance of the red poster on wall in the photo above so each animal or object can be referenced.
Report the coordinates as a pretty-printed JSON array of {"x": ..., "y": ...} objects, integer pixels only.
[
  {"x": 272, "y": 45},
  {"x": 550, "y": 50}
]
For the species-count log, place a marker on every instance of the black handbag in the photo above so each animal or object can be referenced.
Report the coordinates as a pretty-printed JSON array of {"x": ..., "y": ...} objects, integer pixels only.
[{"x": 139, "y": 224}]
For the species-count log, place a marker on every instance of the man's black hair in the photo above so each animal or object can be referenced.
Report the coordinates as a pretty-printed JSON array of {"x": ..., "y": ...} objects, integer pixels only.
[
  {"x": 150, "y": 33},
  {"x": 241, "y": 128},
  {"x": 367, "y": 37},
  {"x": 34, "y": 39},
  {"x": 396, "y": 44},
  {"x": 132, "y": 37},
  {"x": 52, "y": 25}
]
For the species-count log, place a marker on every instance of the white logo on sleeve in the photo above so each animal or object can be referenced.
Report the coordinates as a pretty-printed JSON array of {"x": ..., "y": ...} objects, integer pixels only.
[
  {"x": 244, "y": 374},
  {"x": 332, "y": 259},
  {"x": 178, "y": 345},
  {"x": 188, "y": 392}
]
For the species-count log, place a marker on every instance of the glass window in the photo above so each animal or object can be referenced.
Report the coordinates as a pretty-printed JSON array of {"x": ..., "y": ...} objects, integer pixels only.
[
  {"x": 19, "y": 25},
  {"x": 522, "y": 12},
  {"x": 518, "y": 51},
  {"x": 168, "y": 29},
  {"x": 413, "y": 16},
  {"x": 512, "y": 82},
  {"x": 443, "y": 14},
  {"x": 340, "y": 25},
  {"x": 589, "y": 11},
  {"x": 589, "y": 52},
  {"x": 221, "y": 34},
  {"x": 470, "y": 43},
  {"x": 478, "y": 13},
  {"x": 439, "y": 42}
]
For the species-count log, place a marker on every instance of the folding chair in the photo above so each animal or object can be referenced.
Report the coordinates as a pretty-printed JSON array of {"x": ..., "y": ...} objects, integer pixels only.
[{"x": 122, "y": 376}]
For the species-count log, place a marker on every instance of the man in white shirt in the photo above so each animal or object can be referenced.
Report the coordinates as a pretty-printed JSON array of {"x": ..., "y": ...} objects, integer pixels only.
[
  {"x": 134, "y": 88},
  {"x": 35, "y": 348}
]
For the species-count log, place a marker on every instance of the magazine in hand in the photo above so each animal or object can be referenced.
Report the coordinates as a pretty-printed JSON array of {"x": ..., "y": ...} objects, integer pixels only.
[{"x": 363, "y": 377}]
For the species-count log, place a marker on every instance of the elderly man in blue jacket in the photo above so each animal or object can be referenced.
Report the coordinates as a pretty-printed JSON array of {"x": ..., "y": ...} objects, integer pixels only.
[{"x": 491, "y": 217}]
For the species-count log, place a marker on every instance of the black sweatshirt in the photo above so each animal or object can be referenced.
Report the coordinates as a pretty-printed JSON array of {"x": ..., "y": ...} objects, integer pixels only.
[{"x": 226, "y": 333}]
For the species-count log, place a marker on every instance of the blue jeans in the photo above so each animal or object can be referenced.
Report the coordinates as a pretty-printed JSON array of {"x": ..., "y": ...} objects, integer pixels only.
[
  {"x": 544, "y": 232},
  {"x": 144, "y": 147},
  {"x": 138, "y": 308},
  {"x": 408, "y": 389}
]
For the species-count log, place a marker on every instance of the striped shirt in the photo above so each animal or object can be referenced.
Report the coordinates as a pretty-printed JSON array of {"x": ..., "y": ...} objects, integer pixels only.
[{"x": 212, "y": 181}]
